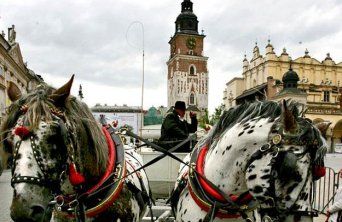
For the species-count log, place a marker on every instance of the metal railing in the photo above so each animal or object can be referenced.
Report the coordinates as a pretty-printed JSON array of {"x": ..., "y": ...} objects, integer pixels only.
[{"x": 323, "y": 191}]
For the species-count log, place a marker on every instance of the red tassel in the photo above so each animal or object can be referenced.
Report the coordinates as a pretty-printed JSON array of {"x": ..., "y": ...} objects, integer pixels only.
[
  {"x": 22, "y": 131},
  {"x": 318, "y": 171},
  {"x": 115, "y": 123},
  {"x": 75, "y": 177}
]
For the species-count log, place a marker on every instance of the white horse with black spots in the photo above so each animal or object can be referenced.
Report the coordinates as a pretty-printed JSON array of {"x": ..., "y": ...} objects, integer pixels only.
[
  {"x": 65, "y": 166},
  {"x": 257, "y": 164}
]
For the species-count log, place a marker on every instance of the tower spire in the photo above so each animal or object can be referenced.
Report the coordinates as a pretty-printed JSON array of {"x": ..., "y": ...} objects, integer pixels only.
[
  {"x": 80, "y": 92},
  {"x": 187, "y": 6},
  {"x": 186, "y": 21}
]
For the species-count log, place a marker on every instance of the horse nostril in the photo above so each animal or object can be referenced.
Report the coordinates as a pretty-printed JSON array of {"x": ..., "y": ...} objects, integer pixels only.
[{"x": 37, "y": 211}]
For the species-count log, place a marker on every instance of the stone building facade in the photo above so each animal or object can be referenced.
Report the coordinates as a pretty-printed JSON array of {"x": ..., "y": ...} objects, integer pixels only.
[
  {"x": 319, "y": 81},
  {"x": 13, "y": 69},
  {"x": 187, "y": 78}
]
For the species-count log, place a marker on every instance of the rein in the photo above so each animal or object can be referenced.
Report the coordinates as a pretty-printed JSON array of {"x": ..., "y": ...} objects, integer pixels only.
[{"x": 226, "y": 199}]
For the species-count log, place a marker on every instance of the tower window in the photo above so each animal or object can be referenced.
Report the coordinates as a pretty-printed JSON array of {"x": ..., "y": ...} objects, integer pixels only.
[
  {"x": 192, "y": 99},
  {"x": 192, "y": 70},
  {"x": 1, "y": 70},
  {"x": 326, "y": 96}
]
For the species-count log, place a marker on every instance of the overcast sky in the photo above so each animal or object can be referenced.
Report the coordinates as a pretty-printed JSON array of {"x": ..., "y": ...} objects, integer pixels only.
[{"x": 88, "y": 38}]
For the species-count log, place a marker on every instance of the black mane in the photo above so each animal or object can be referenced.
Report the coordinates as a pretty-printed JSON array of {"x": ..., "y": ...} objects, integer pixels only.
[{"x": 243, "y": 113}]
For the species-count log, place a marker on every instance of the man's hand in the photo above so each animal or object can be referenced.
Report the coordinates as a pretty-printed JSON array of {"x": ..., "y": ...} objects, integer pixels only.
[{"x": 192, "y": 115}]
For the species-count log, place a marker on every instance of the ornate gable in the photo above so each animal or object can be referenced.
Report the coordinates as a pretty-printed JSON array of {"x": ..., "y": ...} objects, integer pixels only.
[{"x": 15, "y": 53}]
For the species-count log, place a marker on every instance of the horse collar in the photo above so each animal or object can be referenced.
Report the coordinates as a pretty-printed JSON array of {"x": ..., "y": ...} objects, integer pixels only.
[
  {"x": 95, "y": 206},
  {"x": 207, "y": 196}
]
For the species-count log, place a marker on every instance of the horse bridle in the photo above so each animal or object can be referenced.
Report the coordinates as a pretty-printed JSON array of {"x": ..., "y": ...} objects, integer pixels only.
[
  {"x": 43, "y": 180},
  {"x": 277, "y": 139}
]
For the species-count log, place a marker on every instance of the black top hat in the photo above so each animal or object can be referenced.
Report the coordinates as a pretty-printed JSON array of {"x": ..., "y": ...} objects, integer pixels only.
[{"x": 180, "y": 105}]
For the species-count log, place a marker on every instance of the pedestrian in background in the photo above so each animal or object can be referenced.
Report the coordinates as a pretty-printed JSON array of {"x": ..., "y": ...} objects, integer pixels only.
[
  {"x": 175, "y": 128},
  {"x": 335, "y": 211}
]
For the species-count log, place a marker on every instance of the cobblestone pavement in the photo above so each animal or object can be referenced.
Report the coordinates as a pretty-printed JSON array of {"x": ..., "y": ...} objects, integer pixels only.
[
  {"x": 5, "y": 196},
  {"x": 333, "y": 160}
]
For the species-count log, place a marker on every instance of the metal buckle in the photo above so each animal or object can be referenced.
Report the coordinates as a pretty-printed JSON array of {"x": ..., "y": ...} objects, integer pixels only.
[
  {"x": 275, "y": 154},
  {"x": 267, "y": 219},
  {"x": 265, "y": 147},
  {"x": 73, "y": 204},
  {"x": 276, "y": 139},
  {"x": 59, "y": 200}
]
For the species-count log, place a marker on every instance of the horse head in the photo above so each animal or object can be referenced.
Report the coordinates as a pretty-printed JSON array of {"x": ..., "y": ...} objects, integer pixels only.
[
  {"x": 262, "y": 154},
  {"x": 43, "y": 140},
  {"x": 289, "y": 161}
]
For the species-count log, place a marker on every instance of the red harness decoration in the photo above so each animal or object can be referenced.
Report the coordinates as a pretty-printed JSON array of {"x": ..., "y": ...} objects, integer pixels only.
[
  {"x": 75, "y": 177},
  {"x": 318, "y": 171},
  {"x": 111, "y": 160},
  {"x": 109, "y": 200},
  {"x": 22, "y": 131},
  {"x": 212, "y": 192}
]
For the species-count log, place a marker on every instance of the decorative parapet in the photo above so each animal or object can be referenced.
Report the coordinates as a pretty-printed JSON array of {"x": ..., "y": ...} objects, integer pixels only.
[{"x": 323, "y": 111}]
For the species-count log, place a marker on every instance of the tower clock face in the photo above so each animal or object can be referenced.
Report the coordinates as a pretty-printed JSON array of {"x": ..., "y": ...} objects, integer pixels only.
[{"x": 191, "y": 43}]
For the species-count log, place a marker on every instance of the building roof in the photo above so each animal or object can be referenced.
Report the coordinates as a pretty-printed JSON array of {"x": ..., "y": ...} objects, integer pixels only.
[
  {"x": 115, "y": 108},
  {"x": 192, "y": 108},
  {"x": 234, "y": 79},
  {"x": 252, "y": 91},
  {"x": 293, "y": 91},
  {"x": 290, "y": 76}
]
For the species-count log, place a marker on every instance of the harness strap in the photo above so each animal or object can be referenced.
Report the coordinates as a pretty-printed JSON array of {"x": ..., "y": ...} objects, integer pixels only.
[
  {"x": 137, "y": 193},
  {"x": 168, "y": 153},
  {"x": 211, "y": 213}
]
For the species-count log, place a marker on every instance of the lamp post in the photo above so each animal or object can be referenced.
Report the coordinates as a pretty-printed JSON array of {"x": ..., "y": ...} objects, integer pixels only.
[{"x": 143, "y": 68}]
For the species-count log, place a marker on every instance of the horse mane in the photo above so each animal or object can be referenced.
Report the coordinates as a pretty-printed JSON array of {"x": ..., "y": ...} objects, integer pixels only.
[
  {"x": 91, "y": 151},
  {"x": 243, "y": 113},
  {"x": 257, "y": 110}
]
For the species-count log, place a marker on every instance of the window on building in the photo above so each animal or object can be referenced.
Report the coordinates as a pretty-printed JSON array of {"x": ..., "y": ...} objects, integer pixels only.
[
  {"x": 1, "y": 70},
  {"x": 326, "y": 96},
  {"x": 192, "y": 70},
  {"x": 191, "y": 52},
  {"x": 192, "y": 99}
]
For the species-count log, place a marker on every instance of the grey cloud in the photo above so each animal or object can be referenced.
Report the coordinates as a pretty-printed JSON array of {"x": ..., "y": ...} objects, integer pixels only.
[{"x": 88, "y": 37}]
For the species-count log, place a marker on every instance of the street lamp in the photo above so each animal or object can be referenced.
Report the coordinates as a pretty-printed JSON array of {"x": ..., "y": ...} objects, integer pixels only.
[{"x": 143, "y": 67}]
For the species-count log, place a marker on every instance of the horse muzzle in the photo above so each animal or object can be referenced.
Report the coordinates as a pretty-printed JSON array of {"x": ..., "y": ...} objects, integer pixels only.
[{"x": 23, "y": 210}]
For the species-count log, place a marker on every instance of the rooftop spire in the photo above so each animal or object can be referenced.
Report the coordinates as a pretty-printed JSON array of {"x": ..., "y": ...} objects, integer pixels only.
[
  {"x": 186, "y": 21},
  {"x": 328, "y": 57},
  {"x": 80, "y": 93},
  {"x": 306, "y": 54},
  {"x": 284, "y": 51},
  {"x": 187, "y": 6},
  {"x": 245, "y": 57}
]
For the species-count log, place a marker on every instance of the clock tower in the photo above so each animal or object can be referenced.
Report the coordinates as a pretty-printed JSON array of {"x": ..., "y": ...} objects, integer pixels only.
[{"x": 187, "y": 78}]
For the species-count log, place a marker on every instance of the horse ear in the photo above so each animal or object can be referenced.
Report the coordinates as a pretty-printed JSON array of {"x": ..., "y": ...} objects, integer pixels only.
[
  {"x": 13, "y": 92},
  {"x": 60, "y": 95},
  {"x": 323, "y": 127},
  {"x": 289, "y": 119}
]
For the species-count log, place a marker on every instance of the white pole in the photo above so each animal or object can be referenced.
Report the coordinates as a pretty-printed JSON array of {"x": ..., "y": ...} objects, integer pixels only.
[{"x": 143, "y": 70}]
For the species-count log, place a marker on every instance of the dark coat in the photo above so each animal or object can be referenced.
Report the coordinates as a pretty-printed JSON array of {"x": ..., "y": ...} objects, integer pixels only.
[{"x": 173, "y": 131}]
